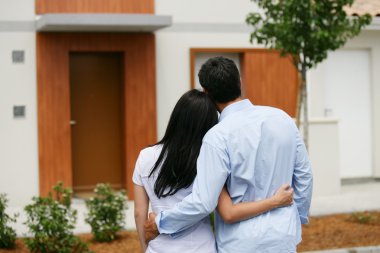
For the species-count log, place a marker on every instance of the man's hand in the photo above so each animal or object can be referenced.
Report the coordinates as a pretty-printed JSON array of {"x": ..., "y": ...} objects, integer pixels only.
[{"x": 150, "y": 228}]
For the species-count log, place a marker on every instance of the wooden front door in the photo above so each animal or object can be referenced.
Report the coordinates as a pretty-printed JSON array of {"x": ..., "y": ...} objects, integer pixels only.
[
  {"x": 96, "y": 119},
  {"x": 59, "y": 147}
]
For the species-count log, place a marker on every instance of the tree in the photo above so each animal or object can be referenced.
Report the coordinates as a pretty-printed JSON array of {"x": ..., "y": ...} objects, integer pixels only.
[{"x": 306, "y": 30}]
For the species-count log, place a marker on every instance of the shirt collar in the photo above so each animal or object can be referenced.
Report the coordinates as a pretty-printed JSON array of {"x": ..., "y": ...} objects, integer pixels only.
[{"x": 235, "y": 107}]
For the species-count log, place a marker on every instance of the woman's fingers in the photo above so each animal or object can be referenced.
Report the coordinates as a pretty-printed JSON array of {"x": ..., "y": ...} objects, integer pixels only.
[
  {"x": 285, "y": 187},
  {"x": 290, "y": 194},
  {"x": 152, "y": 216},
  {"x": 284, "y": 195}
]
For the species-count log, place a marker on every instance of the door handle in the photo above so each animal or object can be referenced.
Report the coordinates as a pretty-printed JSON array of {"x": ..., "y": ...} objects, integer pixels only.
[
  {"x": 328, "y": 112},
  {"x": 73, "y": 122}
]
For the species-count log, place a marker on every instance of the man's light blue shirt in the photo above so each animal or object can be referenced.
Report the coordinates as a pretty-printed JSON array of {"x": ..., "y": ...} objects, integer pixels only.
[{"x": 253, "y": 150}]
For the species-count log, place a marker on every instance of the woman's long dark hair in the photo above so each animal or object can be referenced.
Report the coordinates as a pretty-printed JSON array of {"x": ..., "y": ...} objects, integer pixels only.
[{"x": 193, "y": 115}]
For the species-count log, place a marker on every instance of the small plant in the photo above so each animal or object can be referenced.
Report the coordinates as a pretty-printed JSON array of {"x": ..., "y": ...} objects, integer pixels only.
[
  {"x": 7, "y": 234},
  {"x": 106, "y": 213},
  {"x": 51, "y": 222},
  {"x": 363, "y": 217},
  {"x": 212, "y": 221}
]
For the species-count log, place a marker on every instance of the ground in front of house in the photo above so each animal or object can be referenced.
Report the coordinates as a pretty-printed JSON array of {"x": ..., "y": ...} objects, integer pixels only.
[
  {"x": 327, "y": 232},
  {"x": 127, "y": 242},
  {"x": 341, "y": 231}
]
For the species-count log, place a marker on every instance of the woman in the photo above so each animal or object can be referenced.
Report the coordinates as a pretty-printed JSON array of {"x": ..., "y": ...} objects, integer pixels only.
[{"x": 164, "y": 174}]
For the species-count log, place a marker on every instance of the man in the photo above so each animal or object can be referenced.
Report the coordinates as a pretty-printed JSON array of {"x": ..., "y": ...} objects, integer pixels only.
[{"x": 253, "y": 150}]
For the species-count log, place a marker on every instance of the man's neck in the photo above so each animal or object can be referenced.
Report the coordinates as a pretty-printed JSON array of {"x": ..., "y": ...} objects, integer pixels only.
[{"x": 221, "y": 106}]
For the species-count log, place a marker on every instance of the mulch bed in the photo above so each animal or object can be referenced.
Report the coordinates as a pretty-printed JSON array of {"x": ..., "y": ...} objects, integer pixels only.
[
  {"x": 341, "y": 231},
  {"x": 127, "y": 242},
  {"x": 328, "y": 232}
]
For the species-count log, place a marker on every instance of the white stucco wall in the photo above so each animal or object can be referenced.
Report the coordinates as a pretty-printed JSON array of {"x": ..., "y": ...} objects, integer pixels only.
[
  {"x": 201, "y": 11},
  {"x": 17, "y": 10},
  {"x": 18, "y": 137},
  {"x": 18, "y": 145},
  {"x": 324, "y": 156}
]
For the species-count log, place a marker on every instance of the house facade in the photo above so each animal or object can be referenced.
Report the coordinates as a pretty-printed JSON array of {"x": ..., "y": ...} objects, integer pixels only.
[{"x": 86, "y": 84}]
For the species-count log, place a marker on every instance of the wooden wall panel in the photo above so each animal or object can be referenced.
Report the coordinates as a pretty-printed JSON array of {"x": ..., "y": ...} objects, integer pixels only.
[
  {"x": 140, "y": 101},
  {"x": 53, "y": 115},
  {"x": 269, "y": 79},
  {"x": 54, "y": 106},
  {"x": 94, "y": 6}
]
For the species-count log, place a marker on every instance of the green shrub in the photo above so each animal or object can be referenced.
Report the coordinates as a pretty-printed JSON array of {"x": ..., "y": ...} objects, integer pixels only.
[
  {"x": 363, "y": 217},
  {"x": 212, "y": 220},
  {"x": 106, "y": 213},
  {"x": 7, "y": 234},
  {"x": 51, "y": 221}
]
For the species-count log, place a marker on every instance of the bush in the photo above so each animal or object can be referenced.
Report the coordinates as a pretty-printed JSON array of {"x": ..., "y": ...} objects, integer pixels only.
[
  {"x": 363, "y": 217},
  {"x": 7, "y": 234},
  {"x": 51, "y": 221},
  {"x": 106, "y": 213}
]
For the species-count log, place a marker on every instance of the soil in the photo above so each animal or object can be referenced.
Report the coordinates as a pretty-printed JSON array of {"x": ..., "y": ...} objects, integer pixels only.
[
  {"x": 328, "y": 232},
  {"x": 127, "y": 242},
  {"x": 341, "y": 231}
]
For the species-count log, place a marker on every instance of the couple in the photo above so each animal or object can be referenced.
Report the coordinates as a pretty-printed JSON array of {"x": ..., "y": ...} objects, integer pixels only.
[{"x": 241, "y": 164}]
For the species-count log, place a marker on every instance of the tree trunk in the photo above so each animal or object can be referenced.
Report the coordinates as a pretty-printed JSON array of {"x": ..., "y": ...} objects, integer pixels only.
[
  {"x": 305, "y": 107},
  {"x": 299, "y": 101}
]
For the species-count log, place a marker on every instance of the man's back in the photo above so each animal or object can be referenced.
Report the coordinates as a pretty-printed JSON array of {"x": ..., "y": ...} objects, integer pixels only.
[
  {"x": 261, "y": 146},
  {"x": 254, "y": 150}
]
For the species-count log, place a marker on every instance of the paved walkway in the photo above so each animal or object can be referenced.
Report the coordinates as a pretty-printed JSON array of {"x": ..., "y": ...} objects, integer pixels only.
[
  {"x": 353, "y": 198},
  {"x": 375, "y": 249}
]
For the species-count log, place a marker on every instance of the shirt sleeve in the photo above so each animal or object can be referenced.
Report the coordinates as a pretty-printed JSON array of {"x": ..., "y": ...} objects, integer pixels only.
[
  {"x": 212, "y": 172},
  {"x": 302, "y": 181},
  {"x": 136, "y": 178}
]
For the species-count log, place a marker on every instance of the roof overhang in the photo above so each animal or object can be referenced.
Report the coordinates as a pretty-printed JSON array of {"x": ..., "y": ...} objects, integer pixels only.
[{"x": 102, "y": 22}]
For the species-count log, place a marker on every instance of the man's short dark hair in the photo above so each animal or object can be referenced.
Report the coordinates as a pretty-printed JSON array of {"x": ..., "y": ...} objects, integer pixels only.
[{"x": 220, "y": 77}]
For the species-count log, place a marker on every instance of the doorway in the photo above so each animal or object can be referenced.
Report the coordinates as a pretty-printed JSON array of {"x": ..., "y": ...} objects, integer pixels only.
[
  {"x": 96, "y": 102},
  {"x": 348, "y": 98},
  {"x": 133, "y": 59}
]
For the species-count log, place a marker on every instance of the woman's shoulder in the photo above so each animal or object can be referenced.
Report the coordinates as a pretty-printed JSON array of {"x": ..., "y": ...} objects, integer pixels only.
[
  {"x": 148, "y": 157},
  {"x": 150, "y": 151}
]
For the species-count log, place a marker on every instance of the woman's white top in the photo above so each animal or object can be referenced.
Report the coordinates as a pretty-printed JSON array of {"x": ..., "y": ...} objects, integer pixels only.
[{"x": 199, "y": 238}]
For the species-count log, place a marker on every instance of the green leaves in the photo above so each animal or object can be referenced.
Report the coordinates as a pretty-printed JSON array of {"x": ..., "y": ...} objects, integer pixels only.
[
  {"x": 7, "y": 233},
  {"x": 305, "y": 29},
  {"x": 51, "y": 222},
  {"x": 363, "y": 217},
  {"x": 63, "y": 195},
  {"x": 106, "y": 213}
]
